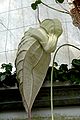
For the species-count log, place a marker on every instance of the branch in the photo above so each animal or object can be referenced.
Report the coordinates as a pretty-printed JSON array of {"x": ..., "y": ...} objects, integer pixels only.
[{"x": 55, "y": 8}]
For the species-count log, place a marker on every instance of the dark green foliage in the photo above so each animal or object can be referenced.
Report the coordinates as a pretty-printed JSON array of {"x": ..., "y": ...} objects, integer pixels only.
[
  {"x": 38, "y": 1},
  {"x": 64, "y": 74},
  {"x": 60, "y": 1},
  {"x": 74, "y": 75},
  {"x": 76, "y": 63},
  {"x": 74, "y": 72},
  {"x": 35, "y": 5},
  {"x": 7, "y": 68},
  {"x": 7, "y": 79},
  {"x": 63, "y": 67}
]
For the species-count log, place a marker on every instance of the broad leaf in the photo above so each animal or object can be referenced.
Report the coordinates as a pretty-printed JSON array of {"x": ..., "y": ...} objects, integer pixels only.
[{"x": 33, "y": 58}]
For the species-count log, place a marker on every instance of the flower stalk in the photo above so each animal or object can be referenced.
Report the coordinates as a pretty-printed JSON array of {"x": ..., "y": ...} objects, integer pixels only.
[{"x": 53, "y": 76}]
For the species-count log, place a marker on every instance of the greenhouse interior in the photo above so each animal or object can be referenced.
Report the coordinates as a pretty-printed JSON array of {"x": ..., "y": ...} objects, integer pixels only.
[{"x": 40, "y": 60}]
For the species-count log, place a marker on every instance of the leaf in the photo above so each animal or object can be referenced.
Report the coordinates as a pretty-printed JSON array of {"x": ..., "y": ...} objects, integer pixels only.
[
  {"x": 34, "y": 6},
  {"x": 31, "y": 70},
  {"x": 7, "y": 67},
  {"x": 33, "y": 59},
  {"x": 76, "y": 63},
  {"x": 36, "y": 74},
  {"x": 63, "y": 67},
  {"x": 60, "y": 1},
  {"x": 38, "y": 2}
]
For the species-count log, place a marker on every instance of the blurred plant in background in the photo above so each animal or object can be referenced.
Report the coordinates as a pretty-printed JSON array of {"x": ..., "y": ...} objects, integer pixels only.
[
  {"x": 62, "y": 73},
  {"x": 7, "y": 78}
]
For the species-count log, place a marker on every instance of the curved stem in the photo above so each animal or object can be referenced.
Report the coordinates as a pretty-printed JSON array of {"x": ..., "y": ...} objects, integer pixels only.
[
  {"x": 61, "y": 47},
  {"x": 55, "y": 8},
  {"x": 63, "y": 7},
  {"x": 38, "y": 15},
  {"x": 53, "y": 76},
  {"x": 29, "y": 114},
  {"x": 52, "y": 94}
]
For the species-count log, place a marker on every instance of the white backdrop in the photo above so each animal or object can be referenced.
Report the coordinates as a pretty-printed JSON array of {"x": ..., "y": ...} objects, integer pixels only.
[{"x": 16, "y": 16}]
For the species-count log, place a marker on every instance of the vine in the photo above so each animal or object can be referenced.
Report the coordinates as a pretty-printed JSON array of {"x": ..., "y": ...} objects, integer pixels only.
[
  {"x": 37, "y": 2},
  {"x": 53, "y": 76}
]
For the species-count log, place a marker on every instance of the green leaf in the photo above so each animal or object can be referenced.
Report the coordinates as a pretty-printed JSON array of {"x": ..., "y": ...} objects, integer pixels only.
[
  {"x": 38, "y": 2},
  {"x": 7, "y": 67},
  {"x": 63, "y": 67},
  {"x": 76, "y": 63},
  {"x": 60, "y": 1},
  {"x": 34, "y": 6}
]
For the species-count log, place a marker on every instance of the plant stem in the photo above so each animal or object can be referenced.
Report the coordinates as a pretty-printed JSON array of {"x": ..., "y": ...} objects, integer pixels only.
[
  {"x": 29, "y": 114},
  {"x": 52, "y": 93},
  {"x": 38, "y": 15},
  {"x": 55, "y": 8},
  {"x": 53, "y": 76}
]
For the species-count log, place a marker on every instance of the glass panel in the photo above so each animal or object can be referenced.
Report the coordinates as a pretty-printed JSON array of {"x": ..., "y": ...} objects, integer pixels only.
[
  {"x": 2, "y": 41},
  {"x": 3, "y": 21},
  {"x": 15, "y": 19},
  {"x": 29, "y": 16},
  {"x": 16, "y": 16},
  {"x": 15, "y": 4},
  {"x": 4, "y": 5}
]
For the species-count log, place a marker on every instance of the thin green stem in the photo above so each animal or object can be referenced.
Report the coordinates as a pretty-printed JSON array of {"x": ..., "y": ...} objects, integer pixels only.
[
  {"x": 38, "y": 15},
  {"x": 52, "y": 93},
  {"x": 53, "y": 76},
  {"x": 55, "y": 8},
  {"x": 63, "y": 7},
  {"x": 29, "y": 114}
]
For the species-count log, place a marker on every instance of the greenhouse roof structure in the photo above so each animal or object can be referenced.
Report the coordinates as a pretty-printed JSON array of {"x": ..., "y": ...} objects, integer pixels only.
[{"x": 17, "y": 16}]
